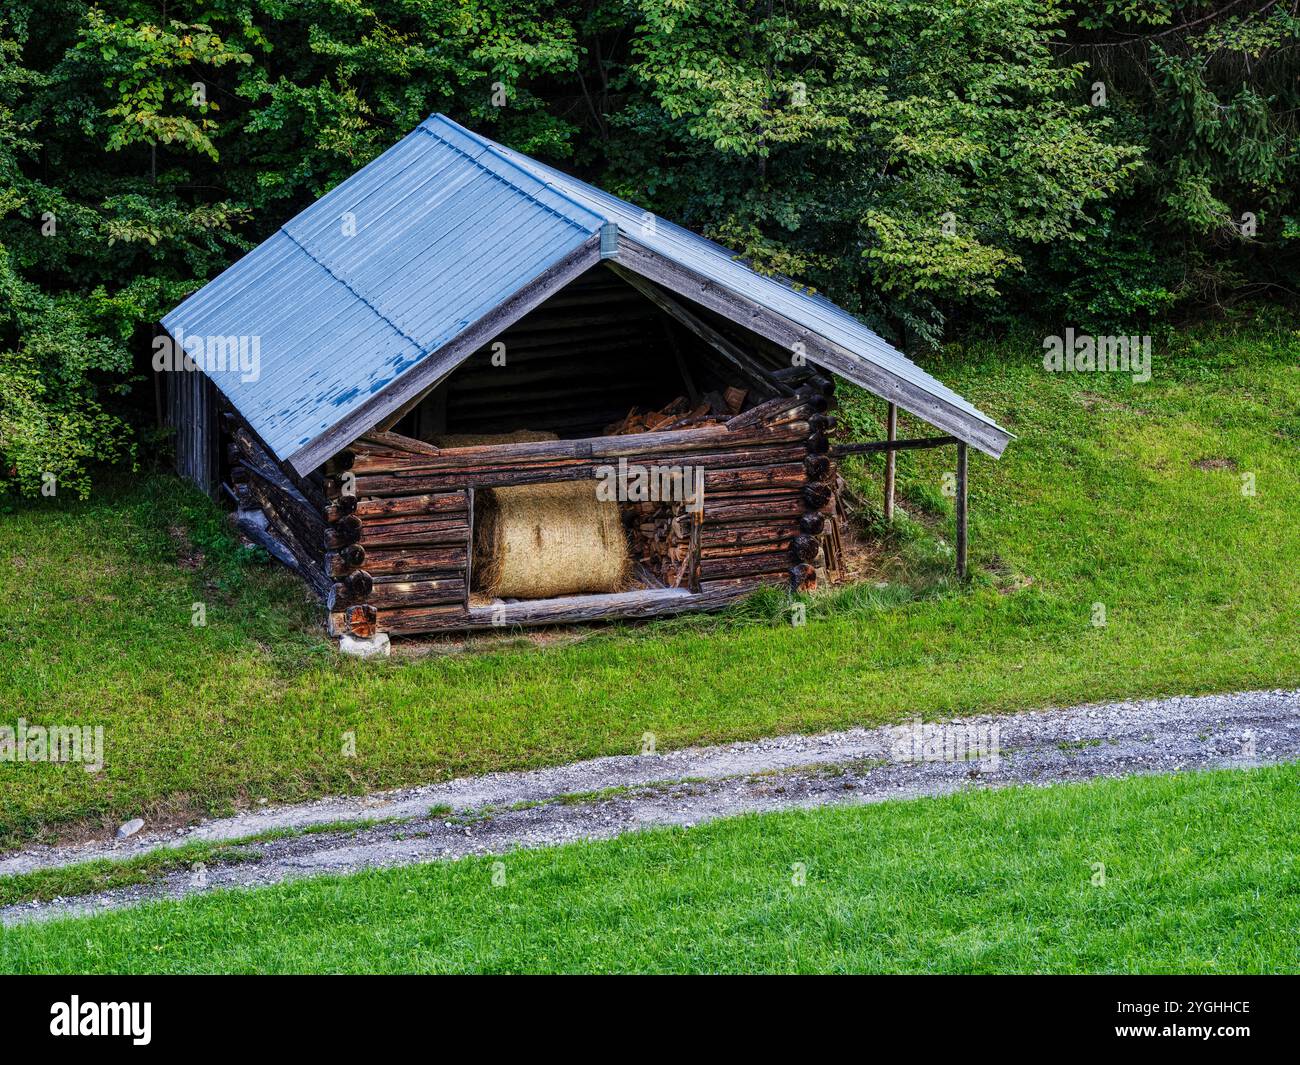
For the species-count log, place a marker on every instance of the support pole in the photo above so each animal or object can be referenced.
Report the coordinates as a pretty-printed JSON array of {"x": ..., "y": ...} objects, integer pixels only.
[
  {"x": 891, "y": 458},
  {"x": 961, "y": 511}
]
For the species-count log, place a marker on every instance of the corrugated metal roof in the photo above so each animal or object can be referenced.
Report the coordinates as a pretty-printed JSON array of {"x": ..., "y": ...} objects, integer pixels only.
[
  {"x": 381, "y": 271},
  {"x": 406, "y": 255}
]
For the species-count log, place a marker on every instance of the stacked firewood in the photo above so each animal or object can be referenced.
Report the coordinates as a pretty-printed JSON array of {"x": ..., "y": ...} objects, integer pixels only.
[
  {"x": 661, "y": 541},
  {"x": 680, "y": 414}
]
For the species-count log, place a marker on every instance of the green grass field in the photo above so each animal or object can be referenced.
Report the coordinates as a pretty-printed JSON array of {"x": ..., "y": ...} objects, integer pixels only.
[
  {"x": 1199, "y": 876},
  {"x": 1115, "y": 493}
]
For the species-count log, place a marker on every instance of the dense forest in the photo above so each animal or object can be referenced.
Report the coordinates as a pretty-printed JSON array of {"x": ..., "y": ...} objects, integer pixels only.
[{"x": 937, "y": 166}]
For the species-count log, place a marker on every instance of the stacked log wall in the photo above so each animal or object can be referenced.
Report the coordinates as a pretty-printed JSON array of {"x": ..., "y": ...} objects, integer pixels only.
[
  {"x": 293, "y": 508},
  {"x": 383, "y": 534},
  {"x": 414, "y": 508},
  {"x": 770, "y": 532}
]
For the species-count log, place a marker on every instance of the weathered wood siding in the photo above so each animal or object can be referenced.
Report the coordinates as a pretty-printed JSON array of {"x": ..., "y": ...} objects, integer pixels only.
[
  {"x": 383, "y": 533},
  {"x": 192, "y": 413}
]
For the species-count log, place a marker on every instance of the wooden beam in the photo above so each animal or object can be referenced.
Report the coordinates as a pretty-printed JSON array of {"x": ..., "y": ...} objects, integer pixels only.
[
  {"x": 873, "y": 446},
  {"x": 871, "y": 375},
  {"x": 732, "y": 353},
  {"x": 891, "y": 458},
  {"x": 573, "y": 609},
  {"x": 692, "y": 393},
  {"x": 961, "y": 511},
  {"x": 398, "y": 442},
  {"x": 674, "y": 441},
  {"x": 469, "y": 539}
]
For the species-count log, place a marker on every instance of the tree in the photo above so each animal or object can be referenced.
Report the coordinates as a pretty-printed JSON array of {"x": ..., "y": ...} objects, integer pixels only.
[{"x": 899, "y": 153}]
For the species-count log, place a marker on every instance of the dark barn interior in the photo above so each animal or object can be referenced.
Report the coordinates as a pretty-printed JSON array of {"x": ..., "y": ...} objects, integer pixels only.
[{"x": 583, "y": 359}]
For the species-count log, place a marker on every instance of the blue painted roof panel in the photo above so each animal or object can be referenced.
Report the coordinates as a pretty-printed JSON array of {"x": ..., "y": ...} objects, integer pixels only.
[{"x": 294, "y": 308}]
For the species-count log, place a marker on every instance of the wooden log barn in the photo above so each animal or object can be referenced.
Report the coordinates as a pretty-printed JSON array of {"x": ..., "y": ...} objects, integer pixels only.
[{"x": 458, "y": 320}]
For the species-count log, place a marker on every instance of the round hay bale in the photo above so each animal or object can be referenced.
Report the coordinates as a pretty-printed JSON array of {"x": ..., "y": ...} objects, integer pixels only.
[
  {"x": 519, "y": 436},
  {"x": 538, "y": 541}
]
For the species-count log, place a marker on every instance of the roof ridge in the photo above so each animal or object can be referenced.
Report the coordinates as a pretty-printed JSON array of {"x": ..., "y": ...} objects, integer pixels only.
[
  {"x": 491, "y": 146},
  {"x": 367, "y": 300}
]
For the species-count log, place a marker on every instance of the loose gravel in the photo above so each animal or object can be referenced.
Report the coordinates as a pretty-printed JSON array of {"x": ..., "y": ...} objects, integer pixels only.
[{"x": 606, "y": 797}]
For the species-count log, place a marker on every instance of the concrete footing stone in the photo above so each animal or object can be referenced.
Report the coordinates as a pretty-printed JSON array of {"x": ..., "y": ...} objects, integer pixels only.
[{"x": 377, "y": 646}]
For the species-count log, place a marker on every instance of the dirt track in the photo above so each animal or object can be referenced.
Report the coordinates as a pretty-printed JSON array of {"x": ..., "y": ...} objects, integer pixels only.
[{"x": 606, "y": 797}]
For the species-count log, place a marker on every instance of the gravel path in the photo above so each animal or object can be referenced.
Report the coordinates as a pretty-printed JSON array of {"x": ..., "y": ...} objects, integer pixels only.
[{"x": 606, "y": 797}]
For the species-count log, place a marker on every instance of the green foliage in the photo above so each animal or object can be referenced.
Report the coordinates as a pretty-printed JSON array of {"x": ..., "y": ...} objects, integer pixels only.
[
  {"x": 145, "y": 67},
  {"x": 143, "y": 147},
  {"x": 1109, "y": 279},
  {"x": 918, "y": 160},
  {"x": 1211, "y": 92},
  {"x": 897, "y": 154}
]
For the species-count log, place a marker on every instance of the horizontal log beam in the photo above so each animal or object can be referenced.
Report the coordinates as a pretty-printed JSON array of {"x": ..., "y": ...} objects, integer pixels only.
[
  {"x": 677, "y": 441},
  {"x": 417, "y": 593},
  {"x": 384, "y": 561},
  {"x": 742, "y": 566},
  {"x": 742, "y": 586},
  {"x": 790, "y": 506},
  {"x": 407, "y": 620},
  {"x": 376, "y": 511},
  {"x": 768, "y": 546},
  {"x": 871, "y": 446},
  {"x": 401, "y": 482},
  {"x": 575, "y": 609},
  {"x": 749, "y": 478},
  {"x": 412, "y": 533}
]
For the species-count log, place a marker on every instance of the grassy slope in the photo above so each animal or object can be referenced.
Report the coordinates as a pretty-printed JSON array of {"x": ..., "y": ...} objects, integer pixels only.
[
  {"x": 1097, "y": 501},
  {"x": 1200, "y": 877}
]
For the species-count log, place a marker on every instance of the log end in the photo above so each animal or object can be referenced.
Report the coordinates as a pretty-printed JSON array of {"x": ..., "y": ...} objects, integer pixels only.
[
  {"x": 803, "y": 578},
  {"x": 817, "y": 467},
  {"x": 362, "y": 621},
  {"x": 804, "y": 548},
  {"x": 359, "y": 584},
  {"x": 815, "y": 496},
  {"x": 812, "y": 523}
]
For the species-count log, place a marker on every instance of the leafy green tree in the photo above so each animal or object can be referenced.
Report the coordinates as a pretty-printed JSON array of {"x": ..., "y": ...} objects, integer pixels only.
[
  {"x": 145, "y": 145},
  {"x": 899, "y": 153},
  {"x": 1210, "y": 89}
]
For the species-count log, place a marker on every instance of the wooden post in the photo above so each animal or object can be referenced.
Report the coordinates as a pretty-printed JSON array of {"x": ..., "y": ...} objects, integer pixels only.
[
  {"x": 890, "y": 460},
  {"x": 961, "y": 511},
  {"x": 469, "y": 540},
  {"x": 692, "y": 393}
]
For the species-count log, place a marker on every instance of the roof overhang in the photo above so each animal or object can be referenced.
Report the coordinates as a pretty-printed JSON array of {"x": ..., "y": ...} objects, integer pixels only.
[
  {"x": 408, "y": 389},
  {"x": 935, "y": 410}
]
